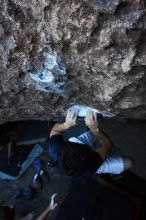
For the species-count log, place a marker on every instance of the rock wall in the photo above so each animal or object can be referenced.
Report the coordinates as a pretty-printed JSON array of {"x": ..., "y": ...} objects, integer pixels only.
[{"x": 57, "y": 52}]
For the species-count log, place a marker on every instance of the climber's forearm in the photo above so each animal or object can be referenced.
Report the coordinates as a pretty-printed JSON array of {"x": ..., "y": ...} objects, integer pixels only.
[
  {"x": 44, "y": 214},
  {"x": 58, "y": 128}
]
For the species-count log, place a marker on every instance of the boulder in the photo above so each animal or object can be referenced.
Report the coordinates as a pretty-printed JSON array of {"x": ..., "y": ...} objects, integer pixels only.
[{"x": 84, "y": 52}]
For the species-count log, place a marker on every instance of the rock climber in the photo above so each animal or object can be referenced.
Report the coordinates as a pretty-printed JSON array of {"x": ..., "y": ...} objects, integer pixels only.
[{"x": 90, "y": 153}]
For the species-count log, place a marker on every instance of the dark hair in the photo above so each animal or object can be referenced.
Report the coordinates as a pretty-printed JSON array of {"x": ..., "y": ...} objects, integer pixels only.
[
  {"x": 77, "y": 159},
  {"x": 5, "y": 139}
]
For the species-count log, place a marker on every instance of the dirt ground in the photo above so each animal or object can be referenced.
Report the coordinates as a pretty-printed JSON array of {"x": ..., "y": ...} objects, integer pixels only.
[{"x": 130, "y": 137}]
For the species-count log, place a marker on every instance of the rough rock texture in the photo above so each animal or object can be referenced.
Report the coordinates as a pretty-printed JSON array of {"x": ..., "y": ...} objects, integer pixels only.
[{"x": 57, "y": 52}]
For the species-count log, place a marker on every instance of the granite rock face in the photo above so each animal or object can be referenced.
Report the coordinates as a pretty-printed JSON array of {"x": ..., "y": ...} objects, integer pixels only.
[{"x": 87, "y": 52}]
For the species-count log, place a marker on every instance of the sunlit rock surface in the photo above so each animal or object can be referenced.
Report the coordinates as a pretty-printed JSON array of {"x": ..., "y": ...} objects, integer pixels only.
[{"x": 88, "y": 52}]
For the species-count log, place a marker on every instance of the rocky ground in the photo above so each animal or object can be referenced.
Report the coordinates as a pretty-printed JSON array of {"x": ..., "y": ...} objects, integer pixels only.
[
  {"x": 57, "y": 183},
  {"x": 128, "y": 136}
]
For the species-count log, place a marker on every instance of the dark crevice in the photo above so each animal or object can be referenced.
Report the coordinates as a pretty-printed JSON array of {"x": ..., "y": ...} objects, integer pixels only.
[
  {"x": 7, "y": 26},
  {"x": 123, "y": 7},
  {"x": 103, "y": 17},
  {"x": 94, "y": 32},
  {"x": 141, "y": 22},
  {"x": 16, "y": 12},
  {"x": 138, "y": 89},
  {"x": 141, "y": 41},
  {"x": 66, "y": 47},
  {"x": 22, "y": 75},
  {"x": 136, "y": 69},
  {"x": 46, "y": 9},
  {"x": 141, "y": 46}
]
